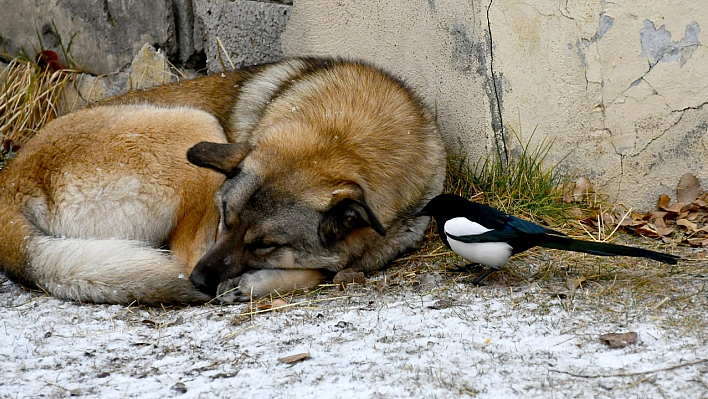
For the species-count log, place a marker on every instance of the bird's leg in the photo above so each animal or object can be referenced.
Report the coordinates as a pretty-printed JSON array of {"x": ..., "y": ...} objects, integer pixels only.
[
  {"x": 468, "y": 268},
  {"x": 482, "y": 276}
]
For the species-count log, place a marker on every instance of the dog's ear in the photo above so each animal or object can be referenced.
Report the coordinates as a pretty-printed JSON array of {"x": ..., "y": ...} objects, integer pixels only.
[
  {"x": 348, "y": 211},
  {"x": 223, "y": 158}
]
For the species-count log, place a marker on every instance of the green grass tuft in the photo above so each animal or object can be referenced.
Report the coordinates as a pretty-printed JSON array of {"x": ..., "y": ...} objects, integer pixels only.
[{"x": 524, "y": 185}]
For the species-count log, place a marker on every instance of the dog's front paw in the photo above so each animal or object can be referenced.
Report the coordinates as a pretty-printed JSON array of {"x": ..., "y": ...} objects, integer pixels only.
[
  {"x": 228, "y": 292},
  {"x": 258, "y": 283}
]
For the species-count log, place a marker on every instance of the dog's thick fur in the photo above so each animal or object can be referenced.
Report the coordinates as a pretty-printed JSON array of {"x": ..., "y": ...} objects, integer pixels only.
[{"x": 316, "y": 165}]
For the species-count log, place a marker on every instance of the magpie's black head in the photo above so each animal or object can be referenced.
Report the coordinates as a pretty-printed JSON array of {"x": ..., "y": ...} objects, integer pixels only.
[{"x": 444, "y": 207}]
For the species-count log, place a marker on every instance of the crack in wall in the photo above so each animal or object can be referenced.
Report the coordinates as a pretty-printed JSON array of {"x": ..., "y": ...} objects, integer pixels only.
[
  {"x": 565, "y": 8},
  {"x": 501, "y": 146},
  {"x": 621, "y": 171},
  {"x": 581, "y": 44},
  {"x": 680, "y": 118}
]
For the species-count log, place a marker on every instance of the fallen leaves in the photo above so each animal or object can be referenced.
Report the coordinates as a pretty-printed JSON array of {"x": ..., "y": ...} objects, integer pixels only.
[
  {"x": 295, "y": 358},
  {"x": 684, "y": 222},
  {"x": 619, "y": 340},
  {"x": 348, "y": 276},
  {"x": 574, "y": 283},
  {"x": 688, "y": 189},
  {"x": 442, "y": 304},
  {"x": 273, "y": 305},
  {"x": 583, "y": 188}
]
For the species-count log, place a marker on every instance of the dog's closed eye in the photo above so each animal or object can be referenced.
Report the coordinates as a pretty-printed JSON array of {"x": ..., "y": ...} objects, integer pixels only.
[{"x": 263, "y": 250}]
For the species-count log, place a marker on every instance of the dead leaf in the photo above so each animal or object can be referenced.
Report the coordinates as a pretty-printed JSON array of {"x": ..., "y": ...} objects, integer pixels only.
[
  {"x": 665, "y": 231},
  {"x": 150, "y": 323},
  {"x": 628, "y": 222},
  {"x": 619, "y": 340},
  {"x": 348, "y": 276},
  {"x": 278, "y": 303},
  {"x": 676, "y": 208},
  {"x": 573, "y": 283},
  {"x": 647, "y": 230},
  {"x": 610, "y": 219},
  {"x": 690, "y": 226},
  {"x": 442, "y": 304},
  {"x": 636, "y": 216},
  {"x": 698, "y": 242},
  {"x": 688, "y": 188},
  {"x": 295, "y": 358},
  {"x": 701, "y": 203},
  {"x": 428, "y": 279},
  {"x": 657, "y": 219},
  {"x": 663, "y": 202},
  {"x": 575, "y": 213},
  {"x": 583, "y": 186}
]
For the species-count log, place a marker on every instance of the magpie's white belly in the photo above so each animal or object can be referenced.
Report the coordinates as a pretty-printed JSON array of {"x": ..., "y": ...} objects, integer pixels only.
[{"x": 491, "y": 254}]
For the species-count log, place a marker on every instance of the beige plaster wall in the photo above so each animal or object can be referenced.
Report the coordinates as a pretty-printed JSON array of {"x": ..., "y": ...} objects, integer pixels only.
[
  {"x": 441, "y": 51},
  {"x": 621, "y": 87}
]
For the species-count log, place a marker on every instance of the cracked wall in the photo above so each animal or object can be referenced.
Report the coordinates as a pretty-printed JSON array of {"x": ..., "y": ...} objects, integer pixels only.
[{"x": 621, "y": 87}]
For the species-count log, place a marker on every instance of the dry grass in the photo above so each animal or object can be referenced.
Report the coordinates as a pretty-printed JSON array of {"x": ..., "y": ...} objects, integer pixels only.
[
  {"x": 523, "y": 185},
  {"x": 28, "y": 99}
]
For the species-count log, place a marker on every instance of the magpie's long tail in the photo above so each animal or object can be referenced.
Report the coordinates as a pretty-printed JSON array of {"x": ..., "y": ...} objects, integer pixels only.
[{"x": 602, "y": 249}]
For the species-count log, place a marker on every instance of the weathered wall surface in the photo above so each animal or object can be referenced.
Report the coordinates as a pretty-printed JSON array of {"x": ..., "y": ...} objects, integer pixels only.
[
  {"x": 249, "y": 32},
  {"x": 620, "y": 87},
  {"x": 107, "y": 34}
]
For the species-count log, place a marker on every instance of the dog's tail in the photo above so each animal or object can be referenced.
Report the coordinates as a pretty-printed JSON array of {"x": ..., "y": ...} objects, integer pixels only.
[
  {"x": 113, "y": 271},
  {"x": 91, "y": 270}
]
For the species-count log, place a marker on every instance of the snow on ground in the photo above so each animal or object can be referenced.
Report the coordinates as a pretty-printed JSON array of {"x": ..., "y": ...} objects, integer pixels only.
[{"x": 446, "y": 340}]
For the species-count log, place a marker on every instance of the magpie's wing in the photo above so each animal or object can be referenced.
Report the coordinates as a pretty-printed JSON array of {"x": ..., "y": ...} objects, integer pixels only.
[
  {"x": 486, "y": 216},
  {"x": 494, "y": 219},
  {"x": 526, "y": 227},
  {"x": 490, "y": 236}
]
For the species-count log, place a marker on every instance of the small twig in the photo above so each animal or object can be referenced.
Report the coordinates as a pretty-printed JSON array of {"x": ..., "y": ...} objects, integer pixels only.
[
  {"x": 619, "y": 224},
  {"x": 663, "y": 301},
  {"x": 237, "y": 332},
  {"x": 176, "y": 69},
  {"x": 592, "y": 376},
  {"x": 223, "y": 67}
]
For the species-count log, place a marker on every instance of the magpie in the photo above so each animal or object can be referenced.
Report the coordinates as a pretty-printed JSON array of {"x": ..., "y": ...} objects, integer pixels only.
[{"x": 484, "y": 235}]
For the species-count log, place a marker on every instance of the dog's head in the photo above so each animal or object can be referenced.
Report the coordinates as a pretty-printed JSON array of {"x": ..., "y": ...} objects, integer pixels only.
[{"x": 295, "y": 214}]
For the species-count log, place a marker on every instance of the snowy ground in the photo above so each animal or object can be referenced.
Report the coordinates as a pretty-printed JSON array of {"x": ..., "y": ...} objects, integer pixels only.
[{"x": 400, "y": 335}]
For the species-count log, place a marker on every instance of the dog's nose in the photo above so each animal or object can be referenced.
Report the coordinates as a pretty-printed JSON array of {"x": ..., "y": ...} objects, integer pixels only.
[{"x": 201, "y": 281}]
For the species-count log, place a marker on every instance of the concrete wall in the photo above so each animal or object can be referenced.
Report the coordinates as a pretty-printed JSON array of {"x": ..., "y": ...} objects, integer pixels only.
[
  {"x": 249, "y": 32},
  {"x": 107, "y": 34},
  {"x": 620, "y": 87}
]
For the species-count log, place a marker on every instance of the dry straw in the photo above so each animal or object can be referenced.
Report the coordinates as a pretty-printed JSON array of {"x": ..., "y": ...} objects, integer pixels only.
[{"x": 28, "y": 98}]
